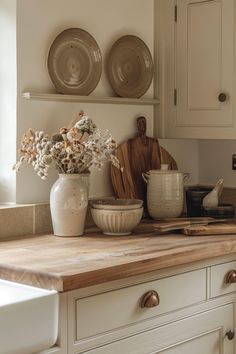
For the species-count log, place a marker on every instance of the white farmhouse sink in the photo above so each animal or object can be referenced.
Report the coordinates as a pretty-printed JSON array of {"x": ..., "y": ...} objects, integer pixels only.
[{"x": 28, "y": 318}]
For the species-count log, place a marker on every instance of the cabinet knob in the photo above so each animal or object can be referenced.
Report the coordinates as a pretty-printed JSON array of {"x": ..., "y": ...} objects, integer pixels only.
[
  {"x": 230, "y": 334},
  {"x": 230, "y": 277},
  {"x": 150, "y": 299},
  {"x": 222, "y": 97}
]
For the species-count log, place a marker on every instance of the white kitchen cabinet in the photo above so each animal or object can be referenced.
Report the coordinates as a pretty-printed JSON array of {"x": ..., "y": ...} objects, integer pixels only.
[
  {"x": 196, "y": 65},
  {"x": 194, "y": 312},
  {"x": 203, "y": 333},
  {"x": 204, "y": 62},
  {"x": 100, "y": 313}
]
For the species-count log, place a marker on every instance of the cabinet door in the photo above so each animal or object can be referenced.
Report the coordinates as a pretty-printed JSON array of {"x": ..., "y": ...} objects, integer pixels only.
[
  {"x": 204, "y": 344},
  {"x": 201, "y": 334},
  {"x": 204, "y": 63}
]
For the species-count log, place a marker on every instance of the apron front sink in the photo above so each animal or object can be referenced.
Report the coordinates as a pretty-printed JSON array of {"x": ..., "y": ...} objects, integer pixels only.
[{"x": 28, "y": 318}]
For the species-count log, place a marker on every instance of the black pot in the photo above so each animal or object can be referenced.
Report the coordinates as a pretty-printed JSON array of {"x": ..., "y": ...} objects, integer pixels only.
[{"x": 194, "y": 198}]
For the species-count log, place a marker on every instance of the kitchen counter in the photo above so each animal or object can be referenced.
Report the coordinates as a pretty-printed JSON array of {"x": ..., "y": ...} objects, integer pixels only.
[{"x": 75, "y": 262}]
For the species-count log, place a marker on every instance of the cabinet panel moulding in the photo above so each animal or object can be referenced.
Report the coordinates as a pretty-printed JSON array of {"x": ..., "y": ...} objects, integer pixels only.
[{"x": 88, "y": 99}]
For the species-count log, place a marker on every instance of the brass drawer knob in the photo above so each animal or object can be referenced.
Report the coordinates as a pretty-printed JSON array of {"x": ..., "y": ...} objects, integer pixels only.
[
  {"x": 150, "y": 299},
  {"x": 222, "y": 97},
  {"x": 230, "y": 277},
  {"x": 230, "y": 334}
]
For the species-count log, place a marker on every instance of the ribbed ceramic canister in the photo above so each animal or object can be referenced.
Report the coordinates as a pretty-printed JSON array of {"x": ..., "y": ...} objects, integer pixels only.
[{"x": 165, "y": 193}]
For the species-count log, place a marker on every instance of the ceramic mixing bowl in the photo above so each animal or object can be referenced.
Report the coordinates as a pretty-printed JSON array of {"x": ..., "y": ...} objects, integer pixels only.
[
  {"x": 117, "y": 222},
  {"x": 116, "y": 204}
]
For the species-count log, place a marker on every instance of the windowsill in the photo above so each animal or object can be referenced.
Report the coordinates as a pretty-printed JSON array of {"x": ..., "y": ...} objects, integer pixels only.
[{"x": 13, "y": 205}]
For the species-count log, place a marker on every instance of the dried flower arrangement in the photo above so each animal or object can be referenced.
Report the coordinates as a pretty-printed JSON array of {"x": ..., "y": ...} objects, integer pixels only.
[{"x": 73, "y": 150}]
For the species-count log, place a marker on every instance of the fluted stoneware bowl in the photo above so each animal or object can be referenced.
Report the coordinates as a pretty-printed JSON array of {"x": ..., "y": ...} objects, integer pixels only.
[
  {"x": 116, "y": 204},
  {"x": 117, "y": 222}
]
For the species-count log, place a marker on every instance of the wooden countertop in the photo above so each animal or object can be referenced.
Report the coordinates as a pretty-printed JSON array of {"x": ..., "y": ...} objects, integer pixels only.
[{"x": 71, "y": 263}]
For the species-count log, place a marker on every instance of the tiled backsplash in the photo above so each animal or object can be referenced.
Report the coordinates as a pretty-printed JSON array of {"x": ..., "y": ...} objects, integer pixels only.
[
  {"x": 20, "y": 220},
  {"x": 31, "y": 219}
]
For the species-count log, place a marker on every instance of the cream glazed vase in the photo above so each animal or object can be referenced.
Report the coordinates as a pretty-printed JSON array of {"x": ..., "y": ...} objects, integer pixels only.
[
  {"x": 68, "y": 204},
  {"x": 165, "y": 193}
]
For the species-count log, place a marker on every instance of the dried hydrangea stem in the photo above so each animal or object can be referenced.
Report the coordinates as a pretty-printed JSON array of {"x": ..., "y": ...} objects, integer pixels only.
[{"x": 73, "y": 150}]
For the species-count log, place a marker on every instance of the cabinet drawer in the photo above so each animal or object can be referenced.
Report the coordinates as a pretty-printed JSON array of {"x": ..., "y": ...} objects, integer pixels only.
[
  {"x": 221, "y": 279},
  {"x": 104, "y": 312},
  {"x": 202, "y": 333}
]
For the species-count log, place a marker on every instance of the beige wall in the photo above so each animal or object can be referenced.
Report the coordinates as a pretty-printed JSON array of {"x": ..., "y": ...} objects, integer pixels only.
[
  {"x": 38, "y": 22},
  {"x": 215, "y": 161},
  {"x": 7, "y": 99},
  {"x": 206, "y": 160},
  {"x": 186, "y": 154}
]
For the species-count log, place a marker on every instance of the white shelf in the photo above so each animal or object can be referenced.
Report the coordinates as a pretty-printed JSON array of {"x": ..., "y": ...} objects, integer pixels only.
[{"x": 88, "y": 99}]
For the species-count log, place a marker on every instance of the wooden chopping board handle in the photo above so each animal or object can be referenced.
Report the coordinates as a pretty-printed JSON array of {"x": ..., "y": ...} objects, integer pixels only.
[
  {"x": 142, "y": 133},
  {"x": 142, "y": 127}
]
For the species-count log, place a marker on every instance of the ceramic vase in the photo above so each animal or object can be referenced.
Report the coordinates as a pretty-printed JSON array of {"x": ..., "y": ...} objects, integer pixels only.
[{"x": 68, "y": 204}]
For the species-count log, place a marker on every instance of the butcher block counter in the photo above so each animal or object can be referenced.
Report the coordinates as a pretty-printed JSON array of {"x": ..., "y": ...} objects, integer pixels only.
[
  {"x": 127, "y": 294},
  {"x": 68, "y": 263}
]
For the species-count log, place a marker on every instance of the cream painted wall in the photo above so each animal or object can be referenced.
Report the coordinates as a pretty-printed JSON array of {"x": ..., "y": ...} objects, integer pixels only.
[
  {"x": 7, "y": 99},
  {"x": 186, "y": 154},
  {"x": 215, "y": 161},
  {"x": 206, "y": 160},
  {"x": 38, "y": 22}
]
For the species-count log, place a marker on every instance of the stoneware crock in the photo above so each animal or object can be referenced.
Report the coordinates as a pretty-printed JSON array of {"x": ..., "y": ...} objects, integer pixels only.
[
  {"x": 165, "y": 193},
  {"x": 68, "y": 204}
]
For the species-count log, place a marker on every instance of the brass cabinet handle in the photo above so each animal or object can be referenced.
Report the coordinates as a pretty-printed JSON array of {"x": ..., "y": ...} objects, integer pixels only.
[
  {"x": 230, "y": 277},
  {"x": 230, "y": 334},
  {"x": 150, "y": 299},
  {"x": 222, "y": 97}
]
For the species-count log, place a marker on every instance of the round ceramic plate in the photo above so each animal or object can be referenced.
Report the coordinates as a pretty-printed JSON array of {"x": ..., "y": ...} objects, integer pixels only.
[
  {"x": 75, "y": 62},
  {"x": 130, "y": 67}
]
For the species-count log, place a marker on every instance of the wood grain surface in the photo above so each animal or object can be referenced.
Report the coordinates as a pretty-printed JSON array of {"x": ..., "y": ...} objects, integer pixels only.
[
  {"x": 137, "y": 155},
  {"x": 174, "y": 224},
  {"x": 75, "y": 262},
  {"x": 213, "y": 229}
]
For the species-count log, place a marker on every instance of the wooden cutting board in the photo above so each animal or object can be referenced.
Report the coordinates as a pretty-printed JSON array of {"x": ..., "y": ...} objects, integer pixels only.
[
  {"x": 174, "y": 224},
  {"x": 137, "y": 155},
  {"x": 228, "y": 228}
]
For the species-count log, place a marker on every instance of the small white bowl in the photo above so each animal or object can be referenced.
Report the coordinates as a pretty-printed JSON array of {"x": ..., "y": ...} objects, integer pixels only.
[
  {"x": 117, "y": 222},
  {"x": 116, "y": 204}
]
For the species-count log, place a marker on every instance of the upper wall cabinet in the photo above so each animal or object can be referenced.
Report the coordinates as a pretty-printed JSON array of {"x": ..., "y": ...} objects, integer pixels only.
[{"x": 196, "y": 46}]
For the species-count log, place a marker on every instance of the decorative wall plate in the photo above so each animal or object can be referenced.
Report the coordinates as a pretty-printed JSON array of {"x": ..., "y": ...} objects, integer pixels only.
[
  {"x": 130, "y": 67},
  {"x": 75, "y": 62}
]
